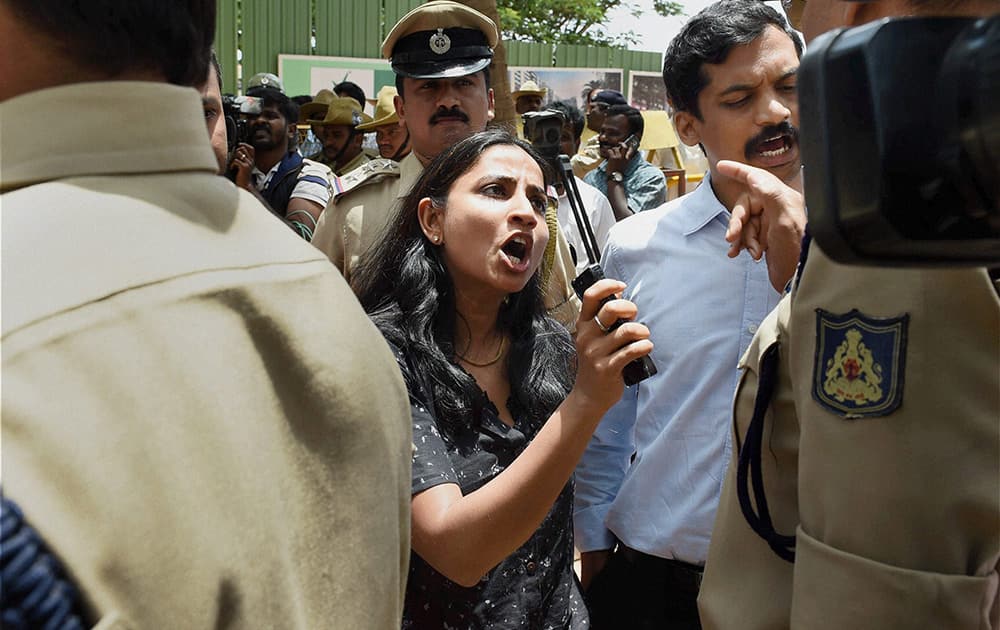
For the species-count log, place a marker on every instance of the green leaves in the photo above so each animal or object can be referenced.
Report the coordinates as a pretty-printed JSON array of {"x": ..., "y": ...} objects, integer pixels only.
[{"x": 570, "y": 21}]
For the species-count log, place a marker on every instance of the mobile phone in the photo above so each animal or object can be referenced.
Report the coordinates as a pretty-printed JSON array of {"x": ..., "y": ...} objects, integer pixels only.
[
  {"x": 638, "y": 369},
  {"x": 631, "y": 143}
]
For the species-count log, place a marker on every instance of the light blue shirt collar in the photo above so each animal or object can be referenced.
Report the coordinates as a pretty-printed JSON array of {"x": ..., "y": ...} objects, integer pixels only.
[{"x": 702, "y": 208}]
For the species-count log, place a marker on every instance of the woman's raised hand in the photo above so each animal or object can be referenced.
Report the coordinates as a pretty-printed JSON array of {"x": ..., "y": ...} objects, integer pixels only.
[{"x": 603, "y": 350}]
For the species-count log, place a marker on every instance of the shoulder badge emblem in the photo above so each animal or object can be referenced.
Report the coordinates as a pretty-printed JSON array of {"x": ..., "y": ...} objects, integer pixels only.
[
  {"x": 368, "y": 173},
  {"x": 859, "y": 364}
]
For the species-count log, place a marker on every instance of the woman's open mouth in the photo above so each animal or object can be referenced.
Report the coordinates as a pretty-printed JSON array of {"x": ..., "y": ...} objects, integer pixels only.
[{"x": 517, "y": 251}]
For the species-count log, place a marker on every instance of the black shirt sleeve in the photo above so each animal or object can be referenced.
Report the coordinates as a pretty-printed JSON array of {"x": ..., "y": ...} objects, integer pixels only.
[{"x": 431, "y": 464}]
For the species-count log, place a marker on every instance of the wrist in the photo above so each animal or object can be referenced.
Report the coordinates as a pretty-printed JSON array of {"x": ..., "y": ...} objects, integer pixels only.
[{"x": 580, "y": 407}]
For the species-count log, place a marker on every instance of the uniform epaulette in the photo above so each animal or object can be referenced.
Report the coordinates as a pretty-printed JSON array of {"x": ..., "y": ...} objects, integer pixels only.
[{"x": 368, "y": 173}]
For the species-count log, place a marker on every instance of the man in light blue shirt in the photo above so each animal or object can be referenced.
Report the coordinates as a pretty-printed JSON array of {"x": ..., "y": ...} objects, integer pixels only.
[
  {"x": 649, "y": 484},
  {"x": 629, "y": 182}
]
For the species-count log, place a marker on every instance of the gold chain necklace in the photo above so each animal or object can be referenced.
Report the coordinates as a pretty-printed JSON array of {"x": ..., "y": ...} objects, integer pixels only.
[{"x": 487, "y": 363}]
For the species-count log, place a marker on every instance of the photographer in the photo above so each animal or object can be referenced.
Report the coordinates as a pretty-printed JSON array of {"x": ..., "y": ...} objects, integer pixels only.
[
  {"x": 595, "y": 204},
  {"x": 295, "y": 188},
  {"x": 873, "y": 392}
]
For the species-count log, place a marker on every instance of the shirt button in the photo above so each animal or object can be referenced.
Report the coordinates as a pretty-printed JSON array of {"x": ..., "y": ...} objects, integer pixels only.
[
  {"x": 752, "y": 328},
  {"x": 530, "y": 568}
]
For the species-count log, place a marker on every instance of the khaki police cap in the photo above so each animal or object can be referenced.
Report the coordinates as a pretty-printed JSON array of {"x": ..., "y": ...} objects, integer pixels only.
[
  {"x": 529, "y": 88},
  {"x": 441, "y": 39},
  {"x": 316, "y": 109},
  {"x": 343, "y": 110},
  {"x": 385, "y": 110}
]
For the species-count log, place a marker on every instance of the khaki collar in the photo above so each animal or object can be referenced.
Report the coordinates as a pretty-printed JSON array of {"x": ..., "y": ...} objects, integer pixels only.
[{"x": 102, "y": 128}]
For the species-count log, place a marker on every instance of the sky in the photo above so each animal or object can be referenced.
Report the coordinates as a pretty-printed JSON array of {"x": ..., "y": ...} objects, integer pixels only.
[{"x": 654, "y": 31}]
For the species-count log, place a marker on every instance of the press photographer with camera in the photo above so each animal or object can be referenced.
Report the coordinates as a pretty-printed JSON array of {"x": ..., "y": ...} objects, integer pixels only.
[
  {"x": 555, "y": 132},
  {"x": 264, "y": 160},
  {"x": 866, "y": 490}
]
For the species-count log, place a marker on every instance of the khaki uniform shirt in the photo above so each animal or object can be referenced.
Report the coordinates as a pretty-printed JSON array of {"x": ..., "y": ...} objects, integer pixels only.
[
  {"x": 198, "y": 418},
  {"x": 746, "y": 585},
  {"x": 889, "y": 392},
  {"x": 360, "y": 159},
  {"x": 588, "y": 158},
  {"x": 354, "y": 220}
]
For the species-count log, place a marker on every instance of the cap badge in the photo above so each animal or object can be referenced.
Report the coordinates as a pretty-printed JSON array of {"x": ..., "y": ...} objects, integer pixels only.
[{"x": 440, "y": 43}]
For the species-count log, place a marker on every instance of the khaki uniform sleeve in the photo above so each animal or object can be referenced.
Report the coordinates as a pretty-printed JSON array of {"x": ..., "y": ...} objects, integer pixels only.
[
  {"x": 587, "y": 159},
  {"x": 746, "y": 585},
  {"x": 561, "y": 301},
  {"x": 353, "y": 222},
  {"x": 900, "y": 511},
  {"x": 329, "y": 235}
]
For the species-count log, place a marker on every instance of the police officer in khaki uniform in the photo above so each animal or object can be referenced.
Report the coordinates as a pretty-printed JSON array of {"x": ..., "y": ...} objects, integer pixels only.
[
  {"x": 440, "y": 52},
  {"x": 198, "y": 418},
  {"x": 338, "y": 131},
  {"x": 392, "y": 137},
  {"x": 868, "y": 416}
]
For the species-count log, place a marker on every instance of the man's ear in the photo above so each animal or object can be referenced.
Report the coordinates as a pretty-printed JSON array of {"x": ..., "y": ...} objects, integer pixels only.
[
  {"x": 858, "y": 13},
  {"x": 431, "y": 219},
  {"x": 688, "y": 127},
  {"x": 397, "y": 102},
  {"x": 491, "y": 109}
]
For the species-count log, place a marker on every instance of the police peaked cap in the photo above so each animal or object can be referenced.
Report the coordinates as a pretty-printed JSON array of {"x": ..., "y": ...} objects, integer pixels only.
[{"x": 441, "y": 39}]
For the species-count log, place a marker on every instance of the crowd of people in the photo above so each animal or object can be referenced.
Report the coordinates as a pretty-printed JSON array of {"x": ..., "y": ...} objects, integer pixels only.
[{"x": 285, "y": 379}]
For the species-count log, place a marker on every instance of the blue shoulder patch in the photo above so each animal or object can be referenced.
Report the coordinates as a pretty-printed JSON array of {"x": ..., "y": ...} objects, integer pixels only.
[{"x": 860, "y": 363}]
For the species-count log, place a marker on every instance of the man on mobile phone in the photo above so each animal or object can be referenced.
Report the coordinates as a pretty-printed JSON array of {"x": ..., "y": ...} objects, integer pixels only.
[{"x": 629, "y": 182}]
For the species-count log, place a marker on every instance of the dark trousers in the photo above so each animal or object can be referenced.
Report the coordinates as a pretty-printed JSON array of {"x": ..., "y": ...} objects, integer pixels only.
[{"x": 636, "y": 591}]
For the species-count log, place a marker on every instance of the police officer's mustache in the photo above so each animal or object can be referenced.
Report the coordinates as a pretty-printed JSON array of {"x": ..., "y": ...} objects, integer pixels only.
[
  {"x": 773, "y": 138},
  {"x": 450, "y": 114}
]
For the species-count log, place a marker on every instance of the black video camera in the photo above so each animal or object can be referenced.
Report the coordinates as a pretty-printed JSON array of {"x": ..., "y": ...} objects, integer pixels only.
[
  {"x": 543, "y": 130},
  {"x": 237, "y": 125},
  {"x": 901, "y": 141}
]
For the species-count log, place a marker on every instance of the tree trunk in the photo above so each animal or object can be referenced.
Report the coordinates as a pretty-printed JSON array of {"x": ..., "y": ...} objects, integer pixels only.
[{"x": 498, "y": 69}]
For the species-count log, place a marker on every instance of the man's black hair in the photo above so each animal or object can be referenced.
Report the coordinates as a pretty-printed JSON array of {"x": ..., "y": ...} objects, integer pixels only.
[
  {"x": 351, "y": 89},
  {"x": 214, "y": 60},
  {"x": 573, "y": 115},
  {"x": 111, "y": 37},
  {"x": 707, "y": 38},
  {"x": 286, "y": 107},
  {"x": 399, "y": 81},
  {"x": 636, "y": 125}
]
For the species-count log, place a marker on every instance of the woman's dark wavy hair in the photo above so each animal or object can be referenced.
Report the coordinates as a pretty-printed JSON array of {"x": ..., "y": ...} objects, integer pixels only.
[
  {"x": 707, "y": 38},
  {"x": 406, "y": 289},
  {"x": 173, "y": 37}
]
